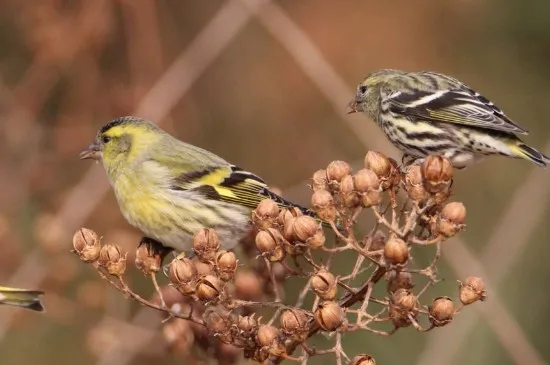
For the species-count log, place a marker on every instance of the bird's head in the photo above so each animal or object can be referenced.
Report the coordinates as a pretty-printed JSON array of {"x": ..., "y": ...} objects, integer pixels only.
[
  {"x": 367, "y": 95},
  {"x": 122, "y": 142}
]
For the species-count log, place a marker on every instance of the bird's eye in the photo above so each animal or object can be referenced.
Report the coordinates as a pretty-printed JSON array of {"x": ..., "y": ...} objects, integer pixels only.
[
  {"x": 105, "y": 139},
  {"x": 363, "y": 89}
]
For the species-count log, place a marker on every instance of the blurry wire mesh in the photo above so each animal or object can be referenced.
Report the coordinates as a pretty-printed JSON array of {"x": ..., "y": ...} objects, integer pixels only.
[{"x": 77, "y": 64}]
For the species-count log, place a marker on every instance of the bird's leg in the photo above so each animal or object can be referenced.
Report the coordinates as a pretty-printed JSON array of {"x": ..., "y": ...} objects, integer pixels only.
[{"x": 154, "y": 249}]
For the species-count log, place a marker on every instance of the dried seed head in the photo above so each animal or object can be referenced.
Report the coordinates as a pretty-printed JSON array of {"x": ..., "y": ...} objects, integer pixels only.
[
  {"x": 323, "y": 204},
  {"x": 371, "y": 198},
  {"x": 248, "y": 285},
  {"x": 149, "y": 256},
  {"x": 179, "y": 335},
  {"x": 317, "y": 241},
  {"x": 472, "y": 290},
  {"x": 287, "y": 213},
  {"x": 319, "y": 180},
  {"x": 379, "y": 164},
  {"x": 405, "y": 300},
  {"x": 336, "y": 170},
  {"x": 396, "y": 251},
  {"x": 452, "y": 219},
  {"x": 438, "y": 174},
  {"x": 113, "y": 258},
  {"x": 362, "y": 359},
  {"x": 247, "y": 324},
  {"x": 304, "y": 228},
  {"x": 442, "y": 311},
  {"x": 217, "y": 324},
  {"x": 399, "y": 317},
  {"x": 366, "y": 180},
  {"x": 267, "y": 335},
  {"x": 399, "y": 280},
  {"x": 348, "y": 195},
  {"x": 86, "y": 245},
  {"x": 270, "y": 244},
  {"x": 324, "y": 284},
  {"x": 182, "y": 270},
  {"x": 265, "y": 214},
  {"x": 414, "y": 184},
  {"x": 209, "y": 288},
  {"x": 226, "y": 265},
  {"x": 329, "y": 315},
  {"x": 294, "y": 321},
  {"x": 205, "y": 244}
]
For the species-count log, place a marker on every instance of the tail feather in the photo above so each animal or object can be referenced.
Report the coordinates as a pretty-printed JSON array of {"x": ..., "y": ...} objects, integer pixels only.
[
  {"x": 529, "y": 153},
  {"x": 29, "y": 299}
]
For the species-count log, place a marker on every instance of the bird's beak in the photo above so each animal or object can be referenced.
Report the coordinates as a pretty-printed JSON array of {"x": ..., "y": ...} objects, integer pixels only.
[
  {"x": 92, "y": 152},
  {"x": 352, "y": 106}
]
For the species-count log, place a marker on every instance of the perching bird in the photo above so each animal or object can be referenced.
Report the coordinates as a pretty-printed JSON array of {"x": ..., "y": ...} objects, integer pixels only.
[
  {"x": 170, "y": 190},
  {"x": 29, "y": 299},
  {"x": 424, "y": 113}
]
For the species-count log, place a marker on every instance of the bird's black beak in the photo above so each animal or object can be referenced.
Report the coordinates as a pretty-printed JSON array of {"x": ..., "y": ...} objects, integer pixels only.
[
  {"x": 92, "y": 152},
  {"x": 352, "y": 107}
]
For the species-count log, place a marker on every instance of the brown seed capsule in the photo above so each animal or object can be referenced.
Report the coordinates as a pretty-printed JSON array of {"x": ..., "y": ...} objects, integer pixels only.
[
  {"x": 452, "y": 219},
  {"x": 287, "y": 213},
  {"x": 265, "y": 214},
  {"x": 179, "y": 335},
  {"x": 399, "y": 317},
  {"x": 399, "y": 280},
  {"x": 247, "y": 324},
  {"x": 396, "y": 251},
  {"x": 329, "y": 315},
  {"x": 248, "y": 285},
  {"x": 226, "y": 265},
  {"x": 205, "y": 244},
  {"x": 317, "y": 241},
  {"x": 324, "y": 284},
  {"x": 405, "y": 300},
  {"x": 209, "y": 288},
  {"x": 113, "y": 258},
  {"x": 267, "y": 335},
  {"x": 472, "y": 290},
  {"x": 149, "y": 256},
  {"x": 366, "y": 180},
  {"x": 182, "y": 270},
  {"x": 217, "y": 324},
  {"x": 379, "y": 164},
  {"x": 441, "y": 311},
  {"x": 336, "y": 170},
  {"x": 414, "y": 184},
  {"x": 304, "y": 228},
  {"x": 362, "y": 359},
  {"x": 371, "y": 198},
  {"x": 323, "y": 204},
  {"x": 293, "y": 321},
  {"x": 438, "y": 174},
  {"x": 86, "y": 244},
  {"x": 319, "y": 180},
  {"x": 348, "y": 195},
  {"x": 270, "y": 244}
]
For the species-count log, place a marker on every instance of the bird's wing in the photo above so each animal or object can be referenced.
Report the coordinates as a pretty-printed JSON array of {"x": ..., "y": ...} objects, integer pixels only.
[
  {"x": 458, "y": 105},
  {"x": 230, "y": 184}
]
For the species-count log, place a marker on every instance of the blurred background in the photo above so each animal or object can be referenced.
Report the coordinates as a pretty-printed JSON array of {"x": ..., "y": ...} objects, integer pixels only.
[{"x": 264, "y": 84}]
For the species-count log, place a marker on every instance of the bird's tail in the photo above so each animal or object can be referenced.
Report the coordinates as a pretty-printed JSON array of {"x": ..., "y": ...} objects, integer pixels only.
[
  {"x": 526, "y": 152},
  {"x": 29, "y": 299}
]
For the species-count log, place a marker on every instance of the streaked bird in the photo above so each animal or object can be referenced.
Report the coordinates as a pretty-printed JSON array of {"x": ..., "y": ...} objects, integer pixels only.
[
  {"x": 29, "y": 299},
  {"x": 170, "y": 190},
  {"x": 424, "y": 113}
]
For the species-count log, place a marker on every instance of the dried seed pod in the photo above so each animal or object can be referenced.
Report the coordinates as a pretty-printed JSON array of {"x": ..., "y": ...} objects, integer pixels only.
[
  {"x": 209, "y": 288},
  {"x": 287, "y": 213},
  {"x": 379, "y": 164},
  {"x": 399, "y": 280},
  {"x": 113, "y": 258},
  {"x": 304, "y": 228},
  {"x": 247, "y": 325},
  {"x": 265, "y": 214},
  {"x": 324, "y": 284},
  {"x": 218, "y": 325},
  {"x": 149, "y": 255},
  {"x": 182, "y": 271},
  {"x": 362, "y": 359},
  {"x": 293, "y": 322},
  {"x": 396, "y": 251},
  {"x": 399, "y": 317},
  {"x": 438, "y": 174},
  {"x": 404, "y": 299},
  {"x": 323, "y": 204},
  {"x": 472, "y": 290},
  {"x": 205, "y": 244},
  {"x": 348, "y": 195},
  {"x": 270, "y": 244},
  {"x": 336, "y": 170},
  {"x": 86, "y": 245},
  {"x": 414, "y": 184},
  {"x": 317, "y": 241},
  {"x": 452, "y": 219},
  {"x": 371, "y": 198},
  {"x": 248, "y": 285},
  {"x": 366, "y": 180},
  {"x": 267, "y": 335},
  {"x": 329, "y": 315},
  {"x": 319, "y": 180},
  {"x": 226, "y": 264},
  {"x": 179, "y": 335},
  {"x": 441, "y": 311}
]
